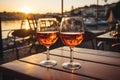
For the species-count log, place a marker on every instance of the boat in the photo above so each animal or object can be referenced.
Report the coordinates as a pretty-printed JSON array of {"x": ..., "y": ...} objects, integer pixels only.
[{"x": 93, "y": 21}]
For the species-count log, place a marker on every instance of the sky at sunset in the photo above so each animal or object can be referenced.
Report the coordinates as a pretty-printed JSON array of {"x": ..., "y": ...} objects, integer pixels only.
[{"x": 45, "y": 6}]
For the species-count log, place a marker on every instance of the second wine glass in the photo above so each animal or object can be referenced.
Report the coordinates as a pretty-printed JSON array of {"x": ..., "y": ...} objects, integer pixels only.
[
  {"x": 47, "y": 34},
  {"x": 71, "y": 33}
]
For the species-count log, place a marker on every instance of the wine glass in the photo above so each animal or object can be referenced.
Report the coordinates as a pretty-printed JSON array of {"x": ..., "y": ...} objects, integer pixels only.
[
  {"x": 71, "y": 33},
  {"x": 47, "y": 35}
]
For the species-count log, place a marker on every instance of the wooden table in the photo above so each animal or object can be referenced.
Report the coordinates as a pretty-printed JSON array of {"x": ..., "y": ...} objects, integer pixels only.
[
  {"x": 96, "y": 65},
  {"x": 106, "y": 38}
]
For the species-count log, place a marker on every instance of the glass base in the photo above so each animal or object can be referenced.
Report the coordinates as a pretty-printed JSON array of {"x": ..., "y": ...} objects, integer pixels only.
[
  {"x": 48, "y": 63},
  {"x": 71, "y": 66}
]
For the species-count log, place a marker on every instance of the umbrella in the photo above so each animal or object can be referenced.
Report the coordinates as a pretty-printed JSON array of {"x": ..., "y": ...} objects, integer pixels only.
[
  {"x": 116, "y": 11},
  {"x": 111, "y": 17}
]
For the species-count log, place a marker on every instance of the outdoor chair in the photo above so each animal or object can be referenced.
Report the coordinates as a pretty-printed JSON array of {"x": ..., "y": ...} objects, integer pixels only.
[
  {"x": 116, "y": 47},
  {"x": 20, "y": 37}
]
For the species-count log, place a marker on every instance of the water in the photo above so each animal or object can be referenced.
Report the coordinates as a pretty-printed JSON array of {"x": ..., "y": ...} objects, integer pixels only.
[
  {"x": 10, "y": 25},
  {"x": 16, "y": 24}
]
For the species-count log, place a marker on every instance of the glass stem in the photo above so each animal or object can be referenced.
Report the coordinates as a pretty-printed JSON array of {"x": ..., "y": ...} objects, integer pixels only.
[
  {"x": 71, "y": 55},
  {"x": 48, "y": 53}
]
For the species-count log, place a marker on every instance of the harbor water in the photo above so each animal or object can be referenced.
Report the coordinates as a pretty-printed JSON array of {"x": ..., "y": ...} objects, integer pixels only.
[
  {"x": 16, "y": 24},
  {"x": 10, "y": 25}
]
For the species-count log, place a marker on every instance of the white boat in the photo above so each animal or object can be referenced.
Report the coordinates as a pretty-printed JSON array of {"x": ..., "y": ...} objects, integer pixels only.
[{"x": 93, "y": 21}]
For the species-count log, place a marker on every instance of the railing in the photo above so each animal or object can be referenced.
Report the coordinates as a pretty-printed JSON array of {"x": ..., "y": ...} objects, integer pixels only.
[{"x": 1, "y": 46}]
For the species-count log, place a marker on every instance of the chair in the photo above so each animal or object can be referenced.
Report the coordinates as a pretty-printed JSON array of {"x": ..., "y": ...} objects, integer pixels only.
[
  {"x": 89, "y": 36},
  {"x": 23, "y": 36},
  {"x": 19, "y": 37},
  {"x": 115, "y": 47}
]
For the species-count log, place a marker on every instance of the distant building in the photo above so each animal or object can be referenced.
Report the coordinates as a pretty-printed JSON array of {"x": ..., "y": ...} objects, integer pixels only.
[{"x": 91, "y": 11}]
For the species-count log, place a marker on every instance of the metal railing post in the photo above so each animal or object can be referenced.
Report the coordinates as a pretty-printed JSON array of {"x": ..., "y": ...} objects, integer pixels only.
[
  {"x": 62, "y": 7},
  {"x": 1, "y": 44}
]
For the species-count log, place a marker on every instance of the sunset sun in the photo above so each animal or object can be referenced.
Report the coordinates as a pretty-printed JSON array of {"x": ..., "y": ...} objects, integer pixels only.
[{"x": 26, "y": 10}]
